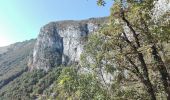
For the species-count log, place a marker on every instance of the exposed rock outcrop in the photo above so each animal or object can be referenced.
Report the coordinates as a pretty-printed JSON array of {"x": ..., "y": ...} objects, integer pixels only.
[
  {"x": 161, "y": 7},
  {"x": 62, "y": 42}
]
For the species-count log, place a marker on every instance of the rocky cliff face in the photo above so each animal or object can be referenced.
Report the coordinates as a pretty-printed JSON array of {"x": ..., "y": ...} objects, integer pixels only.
[{"x": 62, "y": 42}]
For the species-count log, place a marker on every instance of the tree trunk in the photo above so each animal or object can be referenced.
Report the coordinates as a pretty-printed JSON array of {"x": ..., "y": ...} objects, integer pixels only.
[
  {"x": 145, "y": 76},
  {"x": 163, "y": 71},
  {"x": 165, "y": 77},
  {"x": 146, "y": 79},
  {"x": 149, "y": 89}
]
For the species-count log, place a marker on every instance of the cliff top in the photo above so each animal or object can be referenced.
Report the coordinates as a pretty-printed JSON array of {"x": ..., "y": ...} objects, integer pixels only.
[{"x": 66, "y": 23}]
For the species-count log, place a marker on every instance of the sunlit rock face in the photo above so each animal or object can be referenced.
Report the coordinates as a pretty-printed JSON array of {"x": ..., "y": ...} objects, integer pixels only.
[
  {"x": 161, "y": 7},
  {"x": 62, "y": 42}
]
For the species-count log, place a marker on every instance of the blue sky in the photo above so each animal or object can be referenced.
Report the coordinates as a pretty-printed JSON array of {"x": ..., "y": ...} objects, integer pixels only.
[{"x": 22, "y": 19}]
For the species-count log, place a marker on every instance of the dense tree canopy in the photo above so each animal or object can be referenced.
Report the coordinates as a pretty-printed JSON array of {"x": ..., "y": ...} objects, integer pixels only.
[{"x": 136, "y": 42}]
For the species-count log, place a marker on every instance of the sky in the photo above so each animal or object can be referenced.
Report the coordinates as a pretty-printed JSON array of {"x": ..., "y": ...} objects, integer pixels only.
[{"x": 22, "y": 19}]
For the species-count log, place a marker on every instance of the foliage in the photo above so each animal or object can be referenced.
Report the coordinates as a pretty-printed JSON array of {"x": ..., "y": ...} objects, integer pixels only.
[
  {"x": 22, "y": 86},
  {"x": 30, "y": 85},
  {"x": 72, "y": 85},
  {"x": 133, "y": 44},
  {"x": 46, "y": 81}
]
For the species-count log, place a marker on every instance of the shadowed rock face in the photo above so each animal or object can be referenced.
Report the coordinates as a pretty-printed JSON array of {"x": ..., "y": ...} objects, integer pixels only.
[{"x": 62, "y": 42}]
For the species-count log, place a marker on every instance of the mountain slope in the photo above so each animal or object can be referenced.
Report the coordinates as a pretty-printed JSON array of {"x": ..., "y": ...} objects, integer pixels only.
[
  {"x": 3, "y": 49},
  {"x": 59, "y": 43},
  {"x": 13, "y": 60}
]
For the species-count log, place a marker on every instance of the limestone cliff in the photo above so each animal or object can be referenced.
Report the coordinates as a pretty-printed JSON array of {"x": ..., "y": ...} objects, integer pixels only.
[{"x": 62, "y": 42}]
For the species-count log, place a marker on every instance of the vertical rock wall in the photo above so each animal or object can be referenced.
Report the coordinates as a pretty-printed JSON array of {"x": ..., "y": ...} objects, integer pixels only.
[{"x": 62, "y": 42}]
